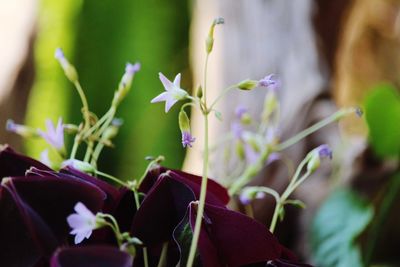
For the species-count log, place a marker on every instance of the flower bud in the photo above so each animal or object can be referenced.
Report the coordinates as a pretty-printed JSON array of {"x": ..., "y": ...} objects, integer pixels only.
[
  {"x": 79, "y": 165},
  {"x": 199, "y": 92},
  {"x": 126, "y": 82},
  {"x": 247, "y": 84},
  {"x": 184, "y": 126},
  {"x": 250, "y": 193},
  {"x": 20, "y": 129},
  {"x": 316, "y": 155},
  {"x": 210, "y": 37},
  {"x": 69, "y": 70}
]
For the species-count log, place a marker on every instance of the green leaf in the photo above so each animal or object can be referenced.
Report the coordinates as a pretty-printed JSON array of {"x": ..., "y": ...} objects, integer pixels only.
[
  {"x": 342, "y": 217},
  {"x": 382, "y": 113},
  {"x": 218, "y": 115}
]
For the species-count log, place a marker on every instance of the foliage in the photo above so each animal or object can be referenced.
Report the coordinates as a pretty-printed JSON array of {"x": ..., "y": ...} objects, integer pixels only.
[
  {"x": 342, "y": 217},
  {"x": 382, "y": 108}
]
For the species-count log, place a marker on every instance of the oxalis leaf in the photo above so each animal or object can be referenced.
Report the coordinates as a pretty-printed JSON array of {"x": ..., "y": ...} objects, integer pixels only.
[
  {"x": 342, "y": 217},
  {"x": 382, "y": 113}
]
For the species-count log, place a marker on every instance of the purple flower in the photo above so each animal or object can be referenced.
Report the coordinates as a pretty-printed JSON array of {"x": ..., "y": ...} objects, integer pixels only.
[
  {"x": 324, "y": 151},
  {"x": 83, "y": 222},
  {"x": 270, "y": 82},
  {"x": 240, "y": 111},
  {"x": 187, "y": 139},
  {"x": 44, "y": 157},
  {"x": 316, "y": 155},
  {"x": 130, "y": 70},
  {"x": 237, "y": 129},
  {"x": 20, "y": 129},
  {"x": 54, "y": 136},
  {"x": 173, "y": 92}
]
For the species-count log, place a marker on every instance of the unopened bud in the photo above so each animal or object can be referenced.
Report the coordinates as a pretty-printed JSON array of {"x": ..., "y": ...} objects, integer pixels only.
[
  {"x": 126, "y": 82},
  {"x": 20, "y": 129},
  {"x": 199, "y": 92},
  {"x": 69, "y": 70},
  {"x": 79, "y": 165},
  {"x": 247, "y": 84},
  {"x": 210, "y": 37},
  {"x": 316, "y": 155}
]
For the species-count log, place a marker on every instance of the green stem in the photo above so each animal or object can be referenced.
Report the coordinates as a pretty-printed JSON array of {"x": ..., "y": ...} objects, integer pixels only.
[
  {"x": 163, "y": 258},
  {"x": 112, "y": 178},
  {"x": 74, "y": 150},
  {"x": 294, "y": 183},
  {"x": 251, "y": 171},
  {"x": 203, "y": 191},
  {"x": 221, "y": 95},
  {"x": 85, "y": 108},
  {"x": 89, "y": 151},
  {"x": 332, "y": 118}
]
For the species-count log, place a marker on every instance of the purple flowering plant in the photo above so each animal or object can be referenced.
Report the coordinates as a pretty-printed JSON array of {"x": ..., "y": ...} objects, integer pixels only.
[{"x": 66, "y": 212}]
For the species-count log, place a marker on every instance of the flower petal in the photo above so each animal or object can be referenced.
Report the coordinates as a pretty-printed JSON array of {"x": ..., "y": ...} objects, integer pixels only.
[
  {"x": 166, "y": 83},
  {"x": 177, "y": 80},
  {"x": 161, "y": 97}
]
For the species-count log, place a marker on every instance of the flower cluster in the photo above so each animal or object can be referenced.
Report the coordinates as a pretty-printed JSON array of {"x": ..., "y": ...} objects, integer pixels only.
[{"x": 35, "y": 202}]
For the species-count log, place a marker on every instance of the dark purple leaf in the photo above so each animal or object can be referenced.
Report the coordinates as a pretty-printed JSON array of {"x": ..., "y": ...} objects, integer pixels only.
[
  {"x": 233, "y": 239},
  {"x": 53, "y": 199},
  {"x": 14, "y": 164},
  {"x": 19, "y": 245},
  {"x": 112, "y": 192},
  {"x": 161, "y": 210},
  {"x": 216, "y": 194},
  {"x": 91, "y": 256}
]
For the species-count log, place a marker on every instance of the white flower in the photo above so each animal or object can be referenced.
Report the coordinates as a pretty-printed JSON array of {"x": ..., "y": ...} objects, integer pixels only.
[
  {"x": 173, "y": 92},
  {"x": 83, "y": 222}
]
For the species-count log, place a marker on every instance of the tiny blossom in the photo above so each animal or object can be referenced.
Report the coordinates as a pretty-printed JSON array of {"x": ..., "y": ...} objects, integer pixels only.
[
  {"x": 237, "y": 130},
  {"x": 187, "y": 139},
  {"x": 248, "y": 194},
  {"x": 240, "y": 111},
  {"x": 130, "y": 70},
  {"x": 54, "y": 136},
  {"x": 83, "y": 222},
  {"x": 79, "y": 165},
  {"x": 270, "y": 82},
  {"x": 324, "y": 151},
  {"x": 173, "y": 92},
  {"x": 20, "y": 129}
]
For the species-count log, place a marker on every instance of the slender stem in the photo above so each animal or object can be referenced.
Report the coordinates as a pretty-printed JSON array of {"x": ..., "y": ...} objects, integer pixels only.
[
  {"x": 145, "y": 257},
  {"x": 249, "y": 173},
  {"x": 163, "y": 258},
  {"x": 204, "y": 179},
  {"x": 98, "y": 123},
  {"x": 294, "y": 183},
  {"x": 332, "y": 118},
  {"x": 89, "y": 151},
  {"x": 221, "y": 95},
  {"x": 203, "y": 191},
  {"x": 270, "y": 191},
  {"x": 96, "y": 153},
  {"x": 112, "y": 178},
  {"x": 85, "y": 108},
  {"x": 205, "y": 79},
  {"x": 274, "y": 220},
  {"x": 74, "y": 150}
]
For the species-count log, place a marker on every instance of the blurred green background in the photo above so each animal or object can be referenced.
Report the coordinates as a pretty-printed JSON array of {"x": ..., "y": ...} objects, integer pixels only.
[{"x": 99, "y": 38}]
